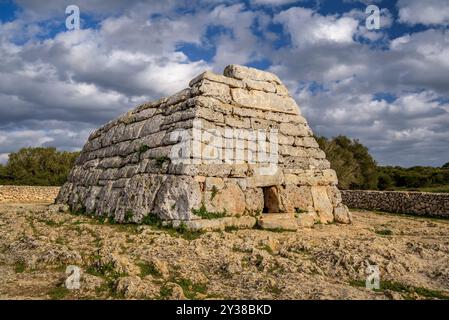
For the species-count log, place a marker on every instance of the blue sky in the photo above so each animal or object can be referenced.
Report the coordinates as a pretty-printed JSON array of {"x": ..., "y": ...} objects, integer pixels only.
[{"x": 389, "y": 88}]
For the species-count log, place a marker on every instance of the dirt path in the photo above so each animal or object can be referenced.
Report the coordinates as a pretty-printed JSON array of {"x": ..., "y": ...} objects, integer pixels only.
[{"x": 128, "y": 261}]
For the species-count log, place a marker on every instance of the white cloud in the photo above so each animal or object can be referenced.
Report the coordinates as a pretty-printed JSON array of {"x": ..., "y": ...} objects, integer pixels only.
[
  {"x": 272, "y": 2},
  {"x": 429, "y": 12},
  {"x": 307, "y": 27}
]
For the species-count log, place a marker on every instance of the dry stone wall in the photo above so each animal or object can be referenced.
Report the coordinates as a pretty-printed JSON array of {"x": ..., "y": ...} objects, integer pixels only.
[
  {"x": 417, "y": 203},
  {"x": 27, "y": 194},
  {"x": 126, "y": 168}
]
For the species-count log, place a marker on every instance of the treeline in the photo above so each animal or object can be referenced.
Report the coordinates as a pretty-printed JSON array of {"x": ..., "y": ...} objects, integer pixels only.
[
  {"x": 37, "y": 167},
  {"x": 356, "y": 169}
]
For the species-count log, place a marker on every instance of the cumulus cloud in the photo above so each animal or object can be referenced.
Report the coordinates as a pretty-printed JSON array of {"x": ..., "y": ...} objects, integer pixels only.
[
  {"x": 391, "y": 93},
  {"x": 430, "y": 12},
  {"x": 307, "y": 27}
]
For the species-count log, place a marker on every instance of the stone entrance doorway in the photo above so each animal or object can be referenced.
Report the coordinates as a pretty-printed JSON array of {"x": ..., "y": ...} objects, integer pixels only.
[{"x": 271, "y": 200}]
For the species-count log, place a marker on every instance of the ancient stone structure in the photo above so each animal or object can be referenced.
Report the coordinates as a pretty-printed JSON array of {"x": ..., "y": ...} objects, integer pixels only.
[
  {"x": 417, "y": 203},
  {"x": 234, "y": 145}
]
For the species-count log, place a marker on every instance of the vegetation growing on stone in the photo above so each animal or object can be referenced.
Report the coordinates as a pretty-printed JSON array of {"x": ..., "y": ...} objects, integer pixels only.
[{"x": 203, "y": 213}]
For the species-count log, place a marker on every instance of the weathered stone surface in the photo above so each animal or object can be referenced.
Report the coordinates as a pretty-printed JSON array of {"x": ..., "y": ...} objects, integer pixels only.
[
  {"x": 245, "y": 222},
  {"x": 294, "y": 198},
  {"x": 322, "y": 204},
  {"x": 280, "y": 221},
  {"x": 177, "y": 197},
  {"x": 306, "y": 219},
  {"x": 241, "y": 72},
  {"x": 229, "y": 199},
  {"x": 233, "y": 83},
  {"x": 342, "y": 214},
  {"x": 264, "y": 100},
  {"x": 198, "y": 147}
]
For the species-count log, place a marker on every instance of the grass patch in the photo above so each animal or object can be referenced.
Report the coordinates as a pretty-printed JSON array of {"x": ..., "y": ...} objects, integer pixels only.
[
  {"x": 154, "y": 221},
  {"x": 203, "y": 213},
  {"x": 191, "y": 289},
  {"x": 214, "y": 192},
  {"x": 143, "y": 148},
  {"x": 161, "y": 160},
  {"x": 58, "y": 293},
  {"x": 147, "y": 269},
  {"x": 268, "y": 249},
  {"x": 231, "y": 228},
  {"x": 407, "y": 290},
  {"x": 19, "y": 267},
  {"x": 384, "y": 232}
]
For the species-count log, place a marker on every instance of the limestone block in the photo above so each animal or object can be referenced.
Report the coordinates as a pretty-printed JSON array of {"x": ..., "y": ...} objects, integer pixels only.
[
  {"x": 213, "y": 182},
  {"x": 238, "y": 122},
  {"x": 282, "y": 90},
  {"x": 254, "y": 199},
  {"x": 287, "y": 140},
  {"x": 298, "y": 130},
  {"x": 242, "y": 72},
  {"x": 259, "y": 85},
  {"x": 292, "y": 151},
  {"x": 306, "y": 219},
  {"x": 239, "y": 170},
  {"x": 308, "y": 142},
  {"x": 342, "y": 214},
  {"x": 282, "y": 221},
  {"x": 230, "y": 199},
  {"x": 334, "y": 195},
  {"x": 215, "y": 89},
  {"x": 294, "y": 197},
  {"x": 177, "y": 197},
  {"x": 322, "y": 204},
  {"x": 233, "y": 83},
  {"x": 264, "y": 100},
  {"x": 283, "y": 117},
  {"x": 250, "y": 113},
  {"x": 258, "y": 180},
  {"x": 180, "y": 96},
  {"x": 209, "y": 114}
]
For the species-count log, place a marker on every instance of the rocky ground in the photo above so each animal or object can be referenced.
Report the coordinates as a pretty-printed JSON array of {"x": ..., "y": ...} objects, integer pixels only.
[{"x": 150, "y": 262}]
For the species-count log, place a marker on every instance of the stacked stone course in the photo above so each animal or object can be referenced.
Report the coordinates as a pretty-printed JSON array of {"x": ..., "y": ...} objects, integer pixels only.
[
  {"x": 417, "y": 203},
  {"x": 125, "y": 167},
  {"x": 27, "y": 194}
]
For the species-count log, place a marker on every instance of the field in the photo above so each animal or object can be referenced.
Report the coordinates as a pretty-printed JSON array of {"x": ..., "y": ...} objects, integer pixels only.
[{"x": 150, "y": 262}]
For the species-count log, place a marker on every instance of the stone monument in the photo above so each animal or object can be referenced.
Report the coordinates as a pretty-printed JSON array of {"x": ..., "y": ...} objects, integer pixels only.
[{"x": 230, "y": 150}]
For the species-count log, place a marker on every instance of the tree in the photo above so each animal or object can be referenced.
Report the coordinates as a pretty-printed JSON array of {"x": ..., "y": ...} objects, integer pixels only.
[
  {"x": 38, "y": 166},
  {"x": 355, "y": 167},
  {"x": 445, "y": 166}
]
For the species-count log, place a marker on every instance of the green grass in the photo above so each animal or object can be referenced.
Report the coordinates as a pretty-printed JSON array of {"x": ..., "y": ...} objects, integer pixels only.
[
  {"x": 190, "y": 288},
  {"x": 58, "y": 293},
  {"x": 213, "y": 193},
  {"x": 161, "y": 160},
  {"x": 203, "y": 213},
  {"x": 231, "y": 228},
  {"x": 19, "y": 267},
  {"x": 384, "y": 232},
  {"x": 143, "y": 148},
  {"x": 148, "y": 269},
  {"x": 407, "y": 290},
  {"x": 154, "y": 221}
]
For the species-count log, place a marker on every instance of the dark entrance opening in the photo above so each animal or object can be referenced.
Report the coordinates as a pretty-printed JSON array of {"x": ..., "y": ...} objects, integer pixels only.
[{"x": 271, "y": 200}]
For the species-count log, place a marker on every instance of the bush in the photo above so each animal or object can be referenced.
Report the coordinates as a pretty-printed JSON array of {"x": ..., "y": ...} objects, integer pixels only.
[{"x": 37, "y": 167}]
